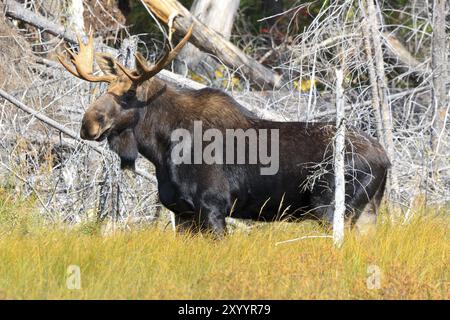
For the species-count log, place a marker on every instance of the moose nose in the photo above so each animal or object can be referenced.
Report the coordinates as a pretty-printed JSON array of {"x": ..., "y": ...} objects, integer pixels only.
[
  {"x": 90, "y": 128},
  {"x": 88, "y": 132}
]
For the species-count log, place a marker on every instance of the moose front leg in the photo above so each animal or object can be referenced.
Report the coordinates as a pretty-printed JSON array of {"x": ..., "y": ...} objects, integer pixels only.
[
  {"x": 212, "y": 208},
  {"x": 186, "y": 222},
  {"x": 212, "y": 220},
  {"x": 207, "y": 217},
  {"x": 205, "y": 221}
]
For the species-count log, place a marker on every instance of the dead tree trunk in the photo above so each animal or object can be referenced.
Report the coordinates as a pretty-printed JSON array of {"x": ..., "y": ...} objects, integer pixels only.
[
  {"x": 74, "y": 16},
  {"x": 211, "y": 42},
  {"x": 218, "y": 16},
  {"x": 439, "y": 68},
  {"x": 339, "y": 164},
  {"x": 373, "y": 83},
  {"x": 381, "y": 83}
]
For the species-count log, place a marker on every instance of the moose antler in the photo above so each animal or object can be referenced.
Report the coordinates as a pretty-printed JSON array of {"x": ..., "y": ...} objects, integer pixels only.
[
  {"x": 146, "y": 72},
  {"x": 84, "y": 62}
]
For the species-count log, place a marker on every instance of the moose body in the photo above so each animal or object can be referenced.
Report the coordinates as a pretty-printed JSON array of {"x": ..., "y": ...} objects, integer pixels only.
[
  {"x": 139, "y": 113},
  {"x": 202, "y": 195}
]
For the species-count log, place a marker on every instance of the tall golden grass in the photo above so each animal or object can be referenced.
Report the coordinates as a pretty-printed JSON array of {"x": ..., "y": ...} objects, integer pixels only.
[{"x": 407, "y": 260}]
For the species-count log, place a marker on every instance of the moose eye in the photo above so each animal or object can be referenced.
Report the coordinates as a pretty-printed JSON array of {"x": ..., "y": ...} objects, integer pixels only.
[{"x": 100, "y": 118}]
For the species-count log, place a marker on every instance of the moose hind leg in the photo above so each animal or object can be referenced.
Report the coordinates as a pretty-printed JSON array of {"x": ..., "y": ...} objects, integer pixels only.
[
  {"x": 322, "y": 200},
  {"x": 185, "y": 217},
  {"x": 186, "y": 223},
  {"x": 370, "y": 212},
  {"x": 360, "y": 193}
]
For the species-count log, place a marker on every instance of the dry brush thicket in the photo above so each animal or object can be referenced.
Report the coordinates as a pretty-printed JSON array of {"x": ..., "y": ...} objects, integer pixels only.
[{"x": 73, "y": 182}]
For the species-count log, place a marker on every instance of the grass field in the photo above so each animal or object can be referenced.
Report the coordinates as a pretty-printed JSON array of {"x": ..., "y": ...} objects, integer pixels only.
[{"x": 397, "y": 261}]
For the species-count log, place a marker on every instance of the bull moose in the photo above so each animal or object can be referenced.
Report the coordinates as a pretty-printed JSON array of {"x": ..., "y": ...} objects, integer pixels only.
[{"x": 139, "y": 114}]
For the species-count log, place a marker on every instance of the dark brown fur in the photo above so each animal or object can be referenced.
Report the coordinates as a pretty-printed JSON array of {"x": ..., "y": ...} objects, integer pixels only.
[{"x": 124, "y": 144}]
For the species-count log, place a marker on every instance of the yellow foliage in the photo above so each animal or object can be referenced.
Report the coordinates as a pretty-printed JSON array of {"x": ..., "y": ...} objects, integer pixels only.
[
  {"x": 304, "y": 85},
  {"x": 197, "y": 78},
  {"x": 218, "y": 73}
]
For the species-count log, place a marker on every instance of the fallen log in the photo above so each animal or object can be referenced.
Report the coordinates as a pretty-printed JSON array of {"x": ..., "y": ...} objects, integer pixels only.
[
  {"x": 212, "y": 42},
  {"x": 210, "y": 12}
]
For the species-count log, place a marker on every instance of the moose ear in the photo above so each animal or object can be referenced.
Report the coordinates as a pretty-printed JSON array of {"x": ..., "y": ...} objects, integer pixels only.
[{"x": 107, "y": 64}]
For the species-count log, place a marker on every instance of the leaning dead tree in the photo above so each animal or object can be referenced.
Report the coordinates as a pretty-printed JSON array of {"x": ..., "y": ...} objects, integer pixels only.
[
  {"x": 209, "y": 41},
  {"x": 217, "y": 15}
]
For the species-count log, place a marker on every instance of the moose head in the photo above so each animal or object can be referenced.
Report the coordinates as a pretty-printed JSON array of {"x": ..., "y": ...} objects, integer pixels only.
[{"x": 116, "y": 110}]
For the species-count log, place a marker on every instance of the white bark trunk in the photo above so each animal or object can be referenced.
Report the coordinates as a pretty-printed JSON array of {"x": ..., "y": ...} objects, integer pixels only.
[
  {"x": 75, "y": 20},
  {"x": 441, "y": 103},
  {"x": 339, "y": 164},
  {"x": 385, "y": 112},
  {"x": 217, "y": 15}
]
